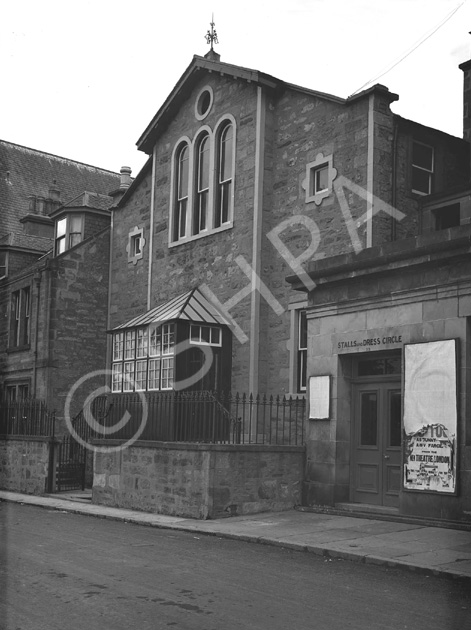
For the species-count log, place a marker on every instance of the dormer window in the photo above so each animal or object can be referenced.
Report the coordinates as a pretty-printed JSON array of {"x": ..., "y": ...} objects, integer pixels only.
[
  {"x": 3, "y": 264},
  {"x": 69, "y": 232}
]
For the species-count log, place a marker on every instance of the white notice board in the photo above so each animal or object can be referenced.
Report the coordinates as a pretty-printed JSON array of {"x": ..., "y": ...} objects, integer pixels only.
[{"x": 319, "y": 397}]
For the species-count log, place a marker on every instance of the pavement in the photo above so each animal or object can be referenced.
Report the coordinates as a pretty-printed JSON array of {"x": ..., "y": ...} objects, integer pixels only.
[{"x": 418, "y": 545}]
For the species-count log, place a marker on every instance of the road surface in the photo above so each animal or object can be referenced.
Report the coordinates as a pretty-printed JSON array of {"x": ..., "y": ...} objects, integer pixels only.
[{"x": 60, "y": 570}]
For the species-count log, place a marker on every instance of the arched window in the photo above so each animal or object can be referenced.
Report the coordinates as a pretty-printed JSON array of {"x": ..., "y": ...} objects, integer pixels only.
[
  {"x": 201, "y": 199},
  {"x": 224, "y": 176},
  {"x": 181, "y": 187}
]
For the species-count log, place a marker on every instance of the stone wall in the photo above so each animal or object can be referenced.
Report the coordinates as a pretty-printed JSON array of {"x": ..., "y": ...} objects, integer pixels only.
[
  {"x": 395, "y": 303},
  {"x": 24, "y": 464},
  {"x": 198, "y": 480}
]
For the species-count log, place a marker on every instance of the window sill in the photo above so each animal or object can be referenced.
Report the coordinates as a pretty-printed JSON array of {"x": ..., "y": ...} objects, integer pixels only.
[
  {"x": 23, "y": 348},
  {"x": 195, "y": 237}
]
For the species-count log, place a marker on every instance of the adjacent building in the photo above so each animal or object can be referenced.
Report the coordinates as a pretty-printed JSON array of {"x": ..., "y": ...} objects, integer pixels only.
[
  {"x": 389, "y": 353},
  {"x": 54, "y": 252}
]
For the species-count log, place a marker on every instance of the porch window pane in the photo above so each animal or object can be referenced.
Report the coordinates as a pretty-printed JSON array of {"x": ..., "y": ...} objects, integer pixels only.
[
  {"x": 141, "y": 343},
  {"x": 141, "y": 375},
  {"x": 117, "y": 383},
  {"x": 118, "y": 339},
  {"x": 155, "y": 341},
  {"x": 154, "y": 374},
  {"x": 130, "y": 346},
  {"x": 168, "y": 338},
  {"x": 128, "y": 379},
  {"x": 167, "y": 373}
]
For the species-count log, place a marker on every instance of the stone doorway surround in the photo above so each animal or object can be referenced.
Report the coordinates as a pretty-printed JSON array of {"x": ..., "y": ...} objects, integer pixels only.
[{"x": 410, "y": 291}]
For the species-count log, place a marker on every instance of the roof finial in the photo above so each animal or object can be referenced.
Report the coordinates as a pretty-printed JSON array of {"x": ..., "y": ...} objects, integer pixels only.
[{"x": 211, "y": 36}]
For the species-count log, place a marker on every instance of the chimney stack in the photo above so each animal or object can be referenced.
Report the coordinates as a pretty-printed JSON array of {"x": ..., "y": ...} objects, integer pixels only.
[
  {"x": 466, "y": 67},
  {"x": 126, "y": 179}
]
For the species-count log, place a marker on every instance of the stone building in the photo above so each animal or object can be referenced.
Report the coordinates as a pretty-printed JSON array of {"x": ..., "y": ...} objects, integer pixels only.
[
  {"x": 389, "y": 351},
  {"x": 248, "y": 179},
  {"x": 54, "y": 253}
]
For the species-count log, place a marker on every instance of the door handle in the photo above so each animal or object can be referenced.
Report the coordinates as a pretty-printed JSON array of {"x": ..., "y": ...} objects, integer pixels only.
[{"x": 387, "y": 457}]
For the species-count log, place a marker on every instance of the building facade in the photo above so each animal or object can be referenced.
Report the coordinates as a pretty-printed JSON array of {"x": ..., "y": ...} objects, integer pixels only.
[
  {"x": 389, "y": 358},
  {"x": 54, "y": 245},
  {"x": 248, "y": 179}
]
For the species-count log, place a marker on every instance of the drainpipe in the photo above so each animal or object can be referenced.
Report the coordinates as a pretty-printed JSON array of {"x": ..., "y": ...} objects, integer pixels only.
[
  {"x": 370, "y": 172},
  {"x": 151, "y": 228},
  {"x": 109, "y": 338},
  {"x": 394, "y": 179},
  {"x": 257, "y": 244},
  {"x": 37, "y": 281}
]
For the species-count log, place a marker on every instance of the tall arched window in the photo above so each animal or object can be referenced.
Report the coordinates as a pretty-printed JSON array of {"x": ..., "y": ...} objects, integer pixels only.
[
  {"x": 224, "y": 176},
  {"x": 200, "y": 209},
  {"x": 181, "y": 187}
]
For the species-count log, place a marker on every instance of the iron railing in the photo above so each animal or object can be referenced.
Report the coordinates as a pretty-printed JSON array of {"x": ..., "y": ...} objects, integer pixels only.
[
  {"x": 28, "y": 417},
  {"x": 195, "y": 417}
]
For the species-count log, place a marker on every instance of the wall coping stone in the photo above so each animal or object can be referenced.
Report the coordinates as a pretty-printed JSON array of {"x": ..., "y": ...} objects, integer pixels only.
[
  {"x": 29, "y": 438},
  {"x": 187, "y": 446},
  {"x": 391, "y": 257}
]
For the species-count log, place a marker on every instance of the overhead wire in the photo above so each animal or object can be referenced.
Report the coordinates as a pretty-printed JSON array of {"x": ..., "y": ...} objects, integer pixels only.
[{"x": 414, "y": 47}]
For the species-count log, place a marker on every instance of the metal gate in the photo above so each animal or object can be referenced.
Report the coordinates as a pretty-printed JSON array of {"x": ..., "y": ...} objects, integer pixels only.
[{"x": 71, "y": 463}]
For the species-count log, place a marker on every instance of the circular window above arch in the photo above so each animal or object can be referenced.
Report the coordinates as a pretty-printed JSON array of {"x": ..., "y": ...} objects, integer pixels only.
[{"x": 204, "y": 102}]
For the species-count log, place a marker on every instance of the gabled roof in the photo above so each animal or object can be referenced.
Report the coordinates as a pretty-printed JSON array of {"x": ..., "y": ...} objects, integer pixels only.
[
  {"x": 26, "y": 172},
  {"x": 190, "y": 77},
  {"x": 191, "y": 306}
]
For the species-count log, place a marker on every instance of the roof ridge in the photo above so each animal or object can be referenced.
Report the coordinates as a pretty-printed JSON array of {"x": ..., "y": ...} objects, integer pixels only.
[{"x": 59, "y": 157}]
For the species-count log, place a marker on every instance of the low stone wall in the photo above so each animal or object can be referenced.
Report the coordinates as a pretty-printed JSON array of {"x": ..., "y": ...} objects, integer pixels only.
[
  {"x": 24, "y": 464},
  {"x": 198, "y": 480}
]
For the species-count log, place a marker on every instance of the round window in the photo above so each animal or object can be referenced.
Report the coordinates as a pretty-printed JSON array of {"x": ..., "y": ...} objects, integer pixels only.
[{"x": 203, "y": 103}]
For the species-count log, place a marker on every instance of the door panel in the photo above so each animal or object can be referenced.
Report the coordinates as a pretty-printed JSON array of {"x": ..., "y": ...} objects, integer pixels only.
[{"x": 377, "y": 444}]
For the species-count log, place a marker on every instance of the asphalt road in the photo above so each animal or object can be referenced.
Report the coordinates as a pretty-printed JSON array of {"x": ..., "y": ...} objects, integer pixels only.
[{"x": 60, "y": 570}]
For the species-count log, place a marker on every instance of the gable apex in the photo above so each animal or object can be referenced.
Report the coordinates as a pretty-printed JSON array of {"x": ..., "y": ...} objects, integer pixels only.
[{"x": 192, "y": 75}]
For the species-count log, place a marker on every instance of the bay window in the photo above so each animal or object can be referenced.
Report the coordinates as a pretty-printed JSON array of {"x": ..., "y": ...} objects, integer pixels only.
[{"x": 143, "y": 359}]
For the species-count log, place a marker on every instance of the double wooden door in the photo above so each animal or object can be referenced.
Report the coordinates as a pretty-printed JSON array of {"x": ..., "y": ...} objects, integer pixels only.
[{"x": 377, "y": 443}]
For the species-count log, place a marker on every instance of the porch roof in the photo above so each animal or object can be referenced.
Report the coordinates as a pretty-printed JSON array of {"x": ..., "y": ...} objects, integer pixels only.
[{"x": 191, "y": 306}]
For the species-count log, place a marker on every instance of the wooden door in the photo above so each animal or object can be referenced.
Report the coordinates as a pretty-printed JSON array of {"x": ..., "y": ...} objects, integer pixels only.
[{"x": 377, "y": 443}]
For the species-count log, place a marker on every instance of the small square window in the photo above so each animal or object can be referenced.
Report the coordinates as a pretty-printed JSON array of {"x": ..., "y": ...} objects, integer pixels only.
[
  {"x": 136, "y": 249},
  {"x": 319, "y": 179},
  {"x": 135, "y": 246}
]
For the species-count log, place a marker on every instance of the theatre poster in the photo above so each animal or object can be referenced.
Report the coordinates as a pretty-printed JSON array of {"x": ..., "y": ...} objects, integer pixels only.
[{"x": 430, "y": 416}]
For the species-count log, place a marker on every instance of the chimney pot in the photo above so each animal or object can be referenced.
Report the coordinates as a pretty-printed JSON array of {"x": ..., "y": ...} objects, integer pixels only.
[
  {"x": 126, "y": 180},
  {"x": 54, "y": 193}
]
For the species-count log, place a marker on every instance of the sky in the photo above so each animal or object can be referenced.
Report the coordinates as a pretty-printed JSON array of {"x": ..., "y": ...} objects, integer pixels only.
[{"x": 82, "y": 79}]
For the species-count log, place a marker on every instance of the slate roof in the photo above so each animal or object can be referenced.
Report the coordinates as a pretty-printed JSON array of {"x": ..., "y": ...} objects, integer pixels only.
[
  {"x": 26, "y": 241},
  {"x": 87, "y": 200},
  {"x": 25, "y": 172},
  {"x": 191, "y": 306}
]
